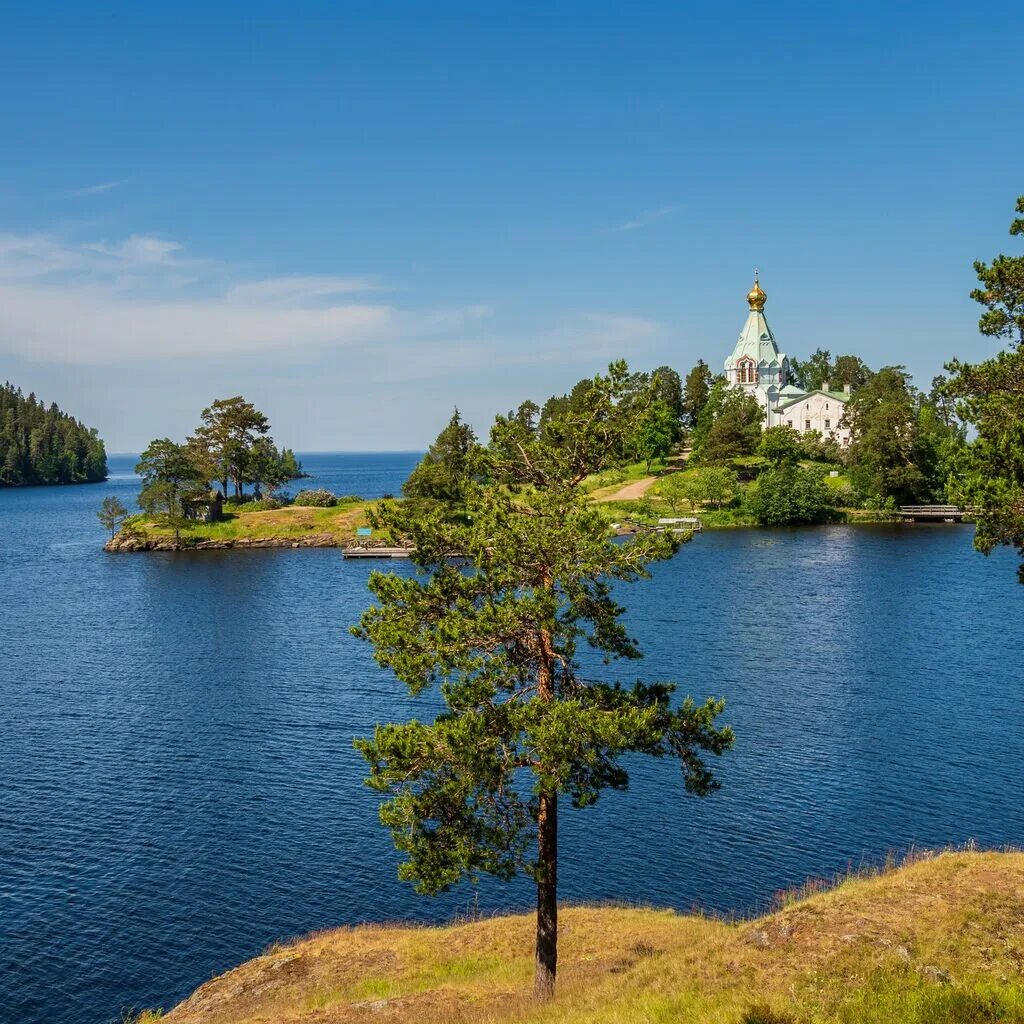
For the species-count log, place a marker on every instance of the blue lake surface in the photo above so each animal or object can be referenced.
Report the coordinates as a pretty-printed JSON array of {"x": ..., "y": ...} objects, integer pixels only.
[{"x": 178, "y": 786}]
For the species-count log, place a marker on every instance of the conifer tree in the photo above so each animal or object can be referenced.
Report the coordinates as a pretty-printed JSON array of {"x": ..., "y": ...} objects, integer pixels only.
[
  {"x": 222, "y": 444},
  {"x": 169, "y": 475},
  {"x": 990, "y": 397},
  {"x": 696, "y": 392},
  {"x": 112, "y": 513},
  {"x": 496, "y": 631},
  {"x": 445, "y": 472}
]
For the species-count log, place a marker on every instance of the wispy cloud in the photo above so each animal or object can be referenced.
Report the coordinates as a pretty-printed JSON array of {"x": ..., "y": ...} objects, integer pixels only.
[
  {"x": 648, "y": 217},
  {"x": 146, "y": 300},
  {"x": 143, "y": 298},
  {"x": 137, "y": 249},
  {"x": 301, "y": 288},
  {"x": 92, "y": 190}
]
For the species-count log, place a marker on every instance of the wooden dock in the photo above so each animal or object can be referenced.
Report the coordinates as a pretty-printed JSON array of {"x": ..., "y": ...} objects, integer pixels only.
[
  {"x": 677, "y": 524},
  {"x": 376, "y": 552},
  {"x": 932, "y": 514},
  {"x": 680, "y": 524}
]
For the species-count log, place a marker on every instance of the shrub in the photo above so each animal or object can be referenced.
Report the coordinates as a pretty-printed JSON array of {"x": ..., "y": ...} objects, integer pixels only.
[
  {"x": 267, "y": 504},
  {"x": 315, "y": 498},
  {"x": 788, "y": 496},
  {"x": 845, "y": 496}
]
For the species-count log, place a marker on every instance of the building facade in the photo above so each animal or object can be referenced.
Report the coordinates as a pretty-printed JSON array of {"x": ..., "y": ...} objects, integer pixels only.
[{"x": 758, "y": 366}]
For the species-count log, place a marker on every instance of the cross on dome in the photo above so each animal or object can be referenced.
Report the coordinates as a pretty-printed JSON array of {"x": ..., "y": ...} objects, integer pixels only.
[{"x": 756, "y": 297}]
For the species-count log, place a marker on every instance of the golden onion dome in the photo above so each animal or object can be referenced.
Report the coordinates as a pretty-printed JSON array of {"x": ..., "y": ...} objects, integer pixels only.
[{"x": 756, "y": 298}]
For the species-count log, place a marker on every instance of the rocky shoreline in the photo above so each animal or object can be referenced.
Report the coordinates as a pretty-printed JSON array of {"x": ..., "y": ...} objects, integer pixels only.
[{"x": 134, "y": 543}]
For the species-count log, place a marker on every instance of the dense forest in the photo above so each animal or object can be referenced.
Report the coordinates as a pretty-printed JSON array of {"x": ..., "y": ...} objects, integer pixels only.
[{"x": 39, "y": 444}]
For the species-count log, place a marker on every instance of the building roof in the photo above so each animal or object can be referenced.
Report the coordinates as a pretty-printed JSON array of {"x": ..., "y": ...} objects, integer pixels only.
[
  {"x": 839, "y": 396},
  {"x": 756, "y": 341}
]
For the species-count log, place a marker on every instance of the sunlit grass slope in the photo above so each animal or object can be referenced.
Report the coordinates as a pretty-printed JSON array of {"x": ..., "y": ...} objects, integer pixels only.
[
  {"x": 938, "y": 941},
  {"x": 295, "y": 521}
]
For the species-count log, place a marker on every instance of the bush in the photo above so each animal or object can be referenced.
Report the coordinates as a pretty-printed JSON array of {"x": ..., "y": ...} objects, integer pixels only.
[
  {"x": 267, "y": 504},
  {"x": 788, "y": 496},
  {"x": 845, "y": 496},
  {"x": 315, "y": 498}
]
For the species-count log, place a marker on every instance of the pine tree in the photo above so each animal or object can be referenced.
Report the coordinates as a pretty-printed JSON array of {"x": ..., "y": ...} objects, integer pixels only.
[
  {"x": 497, "y": 632},
  {"x": 445, "y": 472},
  {"x": 112, "y": 513},
  {"x": 990, "y": 397}
]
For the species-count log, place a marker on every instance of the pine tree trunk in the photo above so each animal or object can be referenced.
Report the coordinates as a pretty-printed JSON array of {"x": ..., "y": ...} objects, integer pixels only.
[
  {"x": 547, "y": 897},
  {"x": 547, "y": 849}
]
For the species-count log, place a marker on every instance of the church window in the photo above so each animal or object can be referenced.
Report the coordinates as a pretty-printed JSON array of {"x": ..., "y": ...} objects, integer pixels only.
[
  {"x": 746, "y": 371},
  {"x": 807, "y": 424},
  {"x": 828, "y": 424}
]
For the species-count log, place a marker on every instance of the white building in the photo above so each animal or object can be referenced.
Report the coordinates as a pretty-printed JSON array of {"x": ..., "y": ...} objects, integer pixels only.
[{"x": 757, "y": 366}]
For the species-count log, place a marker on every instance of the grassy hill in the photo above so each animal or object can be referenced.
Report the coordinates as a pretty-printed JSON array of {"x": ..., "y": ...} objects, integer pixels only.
[{"x": 939, "y": 940}]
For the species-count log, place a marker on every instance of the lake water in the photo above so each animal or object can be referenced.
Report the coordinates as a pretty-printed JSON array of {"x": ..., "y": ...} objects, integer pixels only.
[{"x": 178, "y": 786}]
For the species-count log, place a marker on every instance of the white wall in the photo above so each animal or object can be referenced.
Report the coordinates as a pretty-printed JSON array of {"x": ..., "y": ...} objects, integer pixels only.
[{"x": 823, "y": 412}]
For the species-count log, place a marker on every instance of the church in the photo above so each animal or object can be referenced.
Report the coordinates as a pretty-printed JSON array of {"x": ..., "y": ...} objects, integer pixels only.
[{"x": 757, "y": 366}]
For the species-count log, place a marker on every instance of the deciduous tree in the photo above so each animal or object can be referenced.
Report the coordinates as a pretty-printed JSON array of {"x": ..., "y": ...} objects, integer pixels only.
[
  {"x": 780, "y": 445},
  {"x": 883, "y": 418},
  {"x": 787, "y": 495},
  {"x": 656, "y": 433}
]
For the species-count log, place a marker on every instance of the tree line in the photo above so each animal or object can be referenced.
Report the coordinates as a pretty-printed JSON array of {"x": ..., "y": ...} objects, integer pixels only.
[
  {"x": 650, "y": 404},
  {"x": 39, "y": 444}
]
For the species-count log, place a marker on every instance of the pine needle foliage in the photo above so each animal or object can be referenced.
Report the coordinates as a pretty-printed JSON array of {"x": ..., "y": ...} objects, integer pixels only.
[{"x": 510, "y": 583}]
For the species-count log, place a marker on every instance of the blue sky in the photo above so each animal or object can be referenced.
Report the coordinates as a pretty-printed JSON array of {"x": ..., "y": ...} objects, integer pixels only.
[{"x": 359, "y": 215}]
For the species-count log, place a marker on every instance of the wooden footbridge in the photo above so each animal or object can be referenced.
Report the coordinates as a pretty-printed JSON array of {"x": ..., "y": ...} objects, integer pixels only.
[{"x": 933, "y": 513}]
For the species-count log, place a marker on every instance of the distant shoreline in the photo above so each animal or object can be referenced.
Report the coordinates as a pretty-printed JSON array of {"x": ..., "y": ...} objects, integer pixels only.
[{"x": 57, "y": 483}]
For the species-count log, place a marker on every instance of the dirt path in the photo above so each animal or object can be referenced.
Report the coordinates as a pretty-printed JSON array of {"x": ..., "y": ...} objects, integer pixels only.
[{"x": 632, "y": 491}]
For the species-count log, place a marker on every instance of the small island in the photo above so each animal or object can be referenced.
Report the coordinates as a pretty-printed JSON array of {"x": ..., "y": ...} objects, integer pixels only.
[{"x": 194, "y": 494}]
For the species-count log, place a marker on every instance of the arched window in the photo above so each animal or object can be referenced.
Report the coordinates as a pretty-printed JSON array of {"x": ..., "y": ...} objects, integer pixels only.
[{"x": 746, "y": 371}]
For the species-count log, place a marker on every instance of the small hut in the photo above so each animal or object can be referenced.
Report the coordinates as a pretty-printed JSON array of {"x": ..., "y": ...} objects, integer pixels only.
[{"x": 206, "y": 507}]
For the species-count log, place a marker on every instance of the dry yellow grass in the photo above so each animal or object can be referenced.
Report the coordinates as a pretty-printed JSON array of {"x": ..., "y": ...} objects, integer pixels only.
[
  {"x": 292, "y": 521},
  {"x": 938, "y": 941}
]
